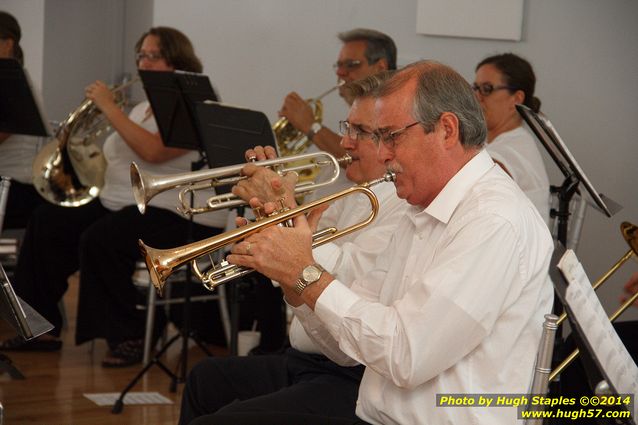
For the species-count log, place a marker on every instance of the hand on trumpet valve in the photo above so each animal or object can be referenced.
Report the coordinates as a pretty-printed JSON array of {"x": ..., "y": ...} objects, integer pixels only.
[
  {"x": 260, "y": 153},
  {"x": 266, "y": 185},
  {"x": 298, "y": 112},
  {"x": 278, "y": 252}
]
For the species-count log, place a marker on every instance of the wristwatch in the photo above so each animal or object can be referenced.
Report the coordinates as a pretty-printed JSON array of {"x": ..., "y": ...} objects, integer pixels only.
[
  {"x": 309, "y": 275},
  {"x": 314, "y": 129}
]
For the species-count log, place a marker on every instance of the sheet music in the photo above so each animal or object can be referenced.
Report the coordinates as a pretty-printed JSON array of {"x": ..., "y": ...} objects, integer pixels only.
[{"x": 612, "y": 354}]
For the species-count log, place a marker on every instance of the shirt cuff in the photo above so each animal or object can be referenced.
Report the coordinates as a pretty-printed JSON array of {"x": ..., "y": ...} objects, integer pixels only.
[{"x": 333, "y": 304}]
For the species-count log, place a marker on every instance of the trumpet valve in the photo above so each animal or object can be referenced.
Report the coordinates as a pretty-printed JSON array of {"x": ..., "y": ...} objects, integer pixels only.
[{"x": 259, "y": 213}]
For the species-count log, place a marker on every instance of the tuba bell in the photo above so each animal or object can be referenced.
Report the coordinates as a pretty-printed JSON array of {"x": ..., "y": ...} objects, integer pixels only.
[{"x": 69, "y": 171}]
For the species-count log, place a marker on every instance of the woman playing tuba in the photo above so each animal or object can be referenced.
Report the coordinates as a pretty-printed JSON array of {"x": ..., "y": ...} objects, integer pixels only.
[{"x": 100, "y": 237}]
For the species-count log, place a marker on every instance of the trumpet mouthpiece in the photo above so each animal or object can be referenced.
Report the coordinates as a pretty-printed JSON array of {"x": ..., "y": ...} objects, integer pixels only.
[{"x": 345, "y": 160}]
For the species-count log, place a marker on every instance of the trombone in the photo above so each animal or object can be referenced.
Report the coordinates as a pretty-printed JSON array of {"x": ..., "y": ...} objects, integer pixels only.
[
  {"x": 630, "y": 234},
  {"x": 146, "y": 186},
  {"x": 162, "y": 263}
]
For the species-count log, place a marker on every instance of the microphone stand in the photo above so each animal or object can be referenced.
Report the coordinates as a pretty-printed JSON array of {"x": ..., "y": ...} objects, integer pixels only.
[{"x": 185, "y": 333}]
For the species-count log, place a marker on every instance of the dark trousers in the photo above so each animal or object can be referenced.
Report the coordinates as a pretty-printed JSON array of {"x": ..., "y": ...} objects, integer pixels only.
[
  {"x": 22, "y": 201},
  {"x": 102, "y": 244},
  {"x": 292, "y": 388}
]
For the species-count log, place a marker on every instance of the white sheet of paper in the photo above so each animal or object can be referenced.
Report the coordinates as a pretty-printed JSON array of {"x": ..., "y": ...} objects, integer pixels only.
[
  {"x": 108, "y": 399},
  {"x": 600, "y": 334}
]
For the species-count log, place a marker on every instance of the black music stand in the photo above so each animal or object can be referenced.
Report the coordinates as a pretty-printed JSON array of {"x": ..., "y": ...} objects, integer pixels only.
[
  {"x": 21, "y": 109},
  {"x": 172, "y": 96},
  {"x": 574, "y": 178},
  {"x": 188, "y": 116},
  {"x": 566, "y": 163},
  {"x": 27, "y": 322},
  {"x": 227, "y": 132},
  {"x": 584, "y": 335},
  {"x": 21, "y": 112}
]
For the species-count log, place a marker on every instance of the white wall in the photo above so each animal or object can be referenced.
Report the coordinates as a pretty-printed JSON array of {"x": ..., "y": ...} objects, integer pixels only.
[
  {"x": 584, "y": 53},
  {"x": 30, "y": 15}
]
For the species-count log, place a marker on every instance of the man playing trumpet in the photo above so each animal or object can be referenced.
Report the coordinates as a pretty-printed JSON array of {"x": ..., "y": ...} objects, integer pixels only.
[
  {"x": 334, "y": 387},
  {"x": 456, "y": 301},
  {"x": 364, "y": 52}
]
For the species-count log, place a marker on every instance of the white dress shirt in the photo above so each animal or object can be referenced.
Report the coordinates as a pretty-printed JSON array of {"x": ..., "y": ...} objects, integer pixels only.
[
  {"x": 454, "y": 305},
  {"x": 118, "y": 192},
  {"x": 518, "y": 151},
  {"x": 351, "y": 256}
]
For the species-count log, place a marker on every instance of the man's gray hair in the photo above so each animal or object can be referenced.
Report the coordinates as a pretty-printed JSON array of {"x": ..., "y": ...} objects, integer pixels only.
[
  {"x": 366, "y": 87},
  {"x": 379, "y": 45},
  {"x": 441, "y": 89}
]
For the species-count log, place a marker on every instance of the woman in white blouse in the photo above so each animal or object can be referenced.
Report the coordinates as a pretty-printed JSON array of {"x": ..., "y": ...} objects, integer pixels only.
[{"x": 501, "y": 82}]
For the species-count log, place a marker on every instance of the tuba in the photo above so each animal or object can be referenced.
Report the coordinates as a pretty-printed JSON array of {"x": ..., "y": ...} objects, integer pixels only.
[
  {"x": 291, "y": 141},
  {"x": 69, "y": 171}
]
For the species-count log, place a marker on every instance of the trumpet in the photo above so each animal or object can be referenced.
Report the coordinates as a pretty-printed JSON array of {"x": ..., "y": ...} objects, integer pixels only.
[
  {"x": 146, "y": 186},
  {"x": 162, "y": 263}
]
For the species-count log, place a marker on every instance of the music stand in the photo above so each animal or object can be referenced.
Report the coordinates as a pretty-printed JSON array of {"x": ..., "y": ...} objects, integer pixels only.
[
  {"x": 603, "y": 355},
  {"x": 227, "y": 132},
  {"x": 27, "y": 322},
  {"x": 21, "y": 110},
  {"x": 173, "y": 96},
  {"x": 566, "y": 163},
  {"x": 188, "y": 116}
]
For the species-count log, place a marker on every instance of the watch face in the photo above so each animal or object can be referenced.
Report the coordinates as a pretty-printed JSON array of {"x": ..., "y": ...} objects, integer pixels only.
[{"x": 311, "y": 273}]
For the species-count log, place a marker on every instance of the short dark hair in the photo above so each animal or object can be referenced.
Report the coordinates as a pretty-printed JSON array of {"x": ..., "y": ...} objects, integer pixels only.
[
  {"x": 10, "y": 29},
  {"x": 175, "y": 47},
  {"x": 518, "y": 74},
  {"x": 379, "y": 45},
  {"x": 441, "y": 89}
]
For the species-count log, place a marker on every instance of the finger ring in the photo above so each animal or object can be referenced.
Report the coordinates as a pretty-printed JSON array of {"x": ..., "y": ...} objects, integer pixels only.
[
  {"x": 248, "y": 249},
  {"x": 252, "y": 158}
]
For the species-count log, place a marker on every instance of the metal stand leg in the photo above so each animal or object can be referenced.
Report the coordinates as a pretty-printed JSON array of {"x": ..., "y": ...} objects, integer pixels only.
[{"x": 7, "y": 366}]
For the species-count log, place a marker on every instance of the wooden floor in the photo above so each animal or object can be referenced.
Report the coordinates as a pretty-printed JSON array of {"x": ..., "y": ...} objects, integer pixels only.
[{"x": 52, "y": 392}]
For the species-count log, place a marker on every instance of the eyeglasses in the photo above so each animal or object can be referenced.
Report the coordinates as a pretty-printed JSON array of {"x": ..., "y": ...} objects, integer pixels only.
[
  {"x": 151, "y": 57},
  {"x": 487, "y": 89},
  {"x": 353, "y": 131},
  {"x": 389, "y": 139},
  {"x": 348, "y": 64}
]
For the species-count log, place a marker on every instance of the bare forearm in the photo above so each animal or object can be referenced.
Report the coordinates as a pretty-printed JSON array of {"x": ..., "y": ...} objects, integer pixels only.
[{"x": 147, "y": 145}]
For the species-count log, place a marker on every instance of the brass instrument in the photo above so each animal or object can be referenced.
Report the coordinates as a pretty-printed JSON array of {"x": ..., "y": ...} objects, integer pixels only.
[
  {"x": 69, "y": 171},
  {"x": 291, "y": 141},
  {"x": 162, "y": 263},
  {"x": 146, "y": 186},
  {"x": 630, "y": 234}
]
